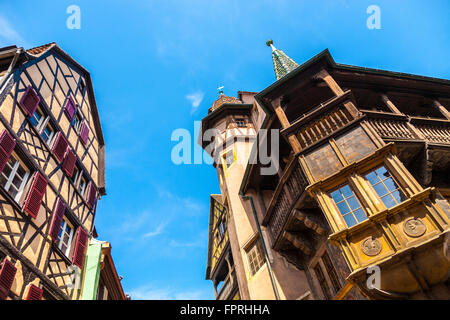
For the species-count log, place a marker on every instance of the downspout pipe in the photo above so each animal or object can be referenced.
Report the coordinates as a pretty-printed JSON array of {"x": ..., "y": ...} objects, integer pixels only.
[
  {"x": 266, "y": 254},
  {"x": 11, "y": 67}
]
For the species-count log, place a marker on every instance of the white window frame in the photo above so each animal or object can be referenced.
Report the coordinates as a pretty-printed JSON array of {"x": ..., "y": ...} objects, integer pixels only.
[
  {"x": 39, "y": 123},
  {"x": 60, "y": 241},
  {"x": 83, "y": 188},
  {"x": 12, "y": 175},
  {"x": 50, "y": 137}
]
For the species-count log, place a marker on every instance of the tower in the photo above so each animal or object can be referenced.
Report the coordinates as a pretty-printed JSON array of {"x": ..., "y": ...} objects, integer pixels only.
[{"x": 240, "y": 262}]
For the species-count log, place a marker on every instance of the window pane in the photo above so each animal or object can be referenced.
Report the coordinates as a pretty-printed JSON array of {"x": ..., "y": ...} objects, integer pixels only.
[
  {"x": 336, "y": 195},
  {"x": 349, "y": 220},
  {"x": 343, "y": 207},
  {"x": 360, "y": 215},
  {"x": 388, "y": 201},
  {"x": 399, "y": 196},
  {"x": 346, "y": 191},
  {"x": 380, "y": 189},
  {"x": 382, "y": 172},
  {"x": 372, "y": 177},
  {"x": 390, "y": 184},
  {"x": 353, "y": 203}
]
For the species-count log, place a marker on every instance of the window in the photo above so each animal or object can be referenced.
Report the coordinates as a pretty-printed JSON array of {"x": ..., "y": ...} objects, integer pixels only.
[
  {"x": 82, "y": 185},
  {"x": 65, "y": 237},
  {"x": 229, "y": 158},
  {"x": 221, "y": 230},
  {"x": 240, "y": 123},
  {"x": 14, "y": 177},
  {"x": 47, "y": 133},
  {"x": 385, "y": 186},
  {"x": 322, "y": 282},
  {"x": 76, "y": 121},
  {"x": 327, "y": 276},
  {"x": 348, "y": 205},
  {"x": 75, "y": 174},
  {"x": 37, "y": 118},
  {"x": 255, "y": 257}
]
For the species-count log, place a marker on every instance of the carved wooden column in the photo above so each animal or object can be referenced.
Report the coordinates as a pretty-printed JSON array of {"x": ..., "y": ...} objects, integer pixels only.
[{"x": 286, "y": 124}]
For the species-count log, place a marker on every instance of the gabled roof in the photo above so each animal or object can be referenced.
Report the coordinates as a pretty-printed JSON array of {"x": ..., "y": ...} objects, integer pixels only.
[{"x": 37, "y": 52}]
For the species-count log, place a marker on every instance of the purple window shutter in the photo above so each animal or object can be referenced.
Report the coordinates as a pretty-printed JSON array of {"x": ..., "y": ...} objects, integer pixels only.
[
  {"x": 70, "y": 107},
  {"x": 35, "y": 195},
  {"x": 30, "y": 101},
  {"x": 60, "y": 146},
  {"x": 7, "y": 274},
  {"x": 91, "y": 195},
  {"x": 80, "y": 247},
  {"x": 84, "y": 132},
  {"x": 69, "y": 162},
  {"x": 7, "y": 144},
  {"x": 58, "y": 214},
  {"x": 34, "y": 293}
]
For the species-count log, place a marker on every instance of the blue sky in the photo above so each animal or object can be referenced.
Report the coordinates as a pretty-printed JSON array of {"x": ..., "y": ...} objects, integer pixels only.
[{"x": 155, "y": 67}]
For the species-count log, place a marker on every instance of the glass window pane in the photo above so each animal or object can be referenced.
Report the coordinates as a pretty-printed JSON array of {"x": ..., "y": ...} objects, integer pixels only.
[
  {"x": 346, "y": 191},
  {"x": 388, "y": 201},
  {"x": 390, "y": 184},
  {"x": 380, "y": 189},
  {"x": 399, "y": 196},
  {"x": 372, "y": 178},
  {"x": 337, "y": 197},
  {"x": 382, "y": 172},
  {"x": 353, "y": 203},
  {"x": 343, "y": 207},
  {"x": 360, "y": 215},
  {"x": 349, "y": 220}
]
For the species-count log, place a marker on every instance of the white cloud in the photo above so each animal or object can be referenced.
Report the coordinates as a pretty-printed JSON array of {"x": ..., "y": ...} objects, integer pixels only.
[
  {"x": 195, "y": 99},
  {"x": 8, "y": 35},
  {"x": 159, "y": 229},
  {"x": 152, "y": 293}
]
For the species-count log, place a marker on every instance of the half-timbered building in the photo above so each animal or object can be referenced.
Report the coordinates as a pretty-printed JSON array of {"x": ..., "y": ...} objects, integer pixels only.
[
  {"x": 52, "y": 172},
  {"x": 359, "y": 204}
]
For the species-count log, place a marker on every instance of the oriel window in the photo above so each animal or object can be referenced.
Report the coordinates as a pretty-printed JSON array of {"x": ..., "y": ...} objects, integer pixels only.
[
  {"x": 348, "y": 205},
  {"x": 386, "y": 187}
]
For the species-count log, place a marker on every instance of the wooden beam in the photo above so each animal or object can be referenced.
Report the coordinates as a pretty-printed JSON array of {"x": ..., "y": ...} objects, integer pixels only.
[
  {"x": 441, "y": 109},
  {"x": 332, "y": 84},
  {"x": 310, "y": 222},
  {"x": 390, "y": 104},
  {"x": 298, "y": 242}
]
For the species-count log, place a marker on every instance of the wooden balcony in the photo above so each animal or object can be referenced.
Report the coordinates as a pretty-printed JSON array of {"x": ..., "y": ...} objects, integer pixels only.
[
  {"x": 293, "y": 219},
  {"x": 392, "y": 126}
]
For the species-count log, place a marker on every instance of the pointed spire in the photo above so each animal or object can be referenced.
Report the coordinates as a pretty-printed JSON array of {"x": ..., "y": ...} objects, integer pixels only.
[{"x": 281, "y": 62}]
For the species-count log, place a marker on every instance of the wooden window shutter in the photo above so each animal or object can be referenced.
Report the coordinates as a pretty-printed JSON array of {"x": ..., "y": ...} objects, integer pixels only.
[
  {"x": 58, "y": 214},
  {"x": 30, "y": 101},
  {"x": 91, "y": 194},
  {"x": 80, "y": 247},
  {"x": 7, "y": 144},
  {"x": 60, "y": 146},
  {"x": 7, "y": 274},
  {"x": 69, "y": 162},
  {"x": 34, "y": 293},
  {"x": 84, "y": 132},
  {"x": 69, "y": 108},
  {"x": 35, "y": 195}
]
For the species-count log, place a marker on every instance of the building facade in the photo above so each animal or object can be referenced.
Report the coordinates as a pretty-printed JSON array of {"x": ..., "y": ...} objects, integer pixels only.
[
  {"x": 52, "y": 172},
  {"x": 358, "y": 206}
]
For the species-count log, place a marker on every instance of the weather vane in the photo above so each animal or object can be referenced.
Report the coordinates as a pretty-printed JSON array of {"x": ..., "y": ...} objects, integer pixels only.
[{"x": 220, "y": 89}]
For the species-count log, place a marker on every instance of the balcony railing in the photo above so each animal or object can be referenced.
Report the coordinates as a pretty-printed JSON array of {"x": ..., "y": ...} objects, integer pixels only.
[
  {"x": 288, "y": 191},
  {"x": 392, "y": 126}
]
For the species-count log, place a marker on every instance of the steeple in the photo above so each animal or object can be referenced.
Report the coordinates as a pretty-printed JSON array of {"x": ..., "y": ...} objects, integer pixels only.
[{"x": 281, "y": 62}]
